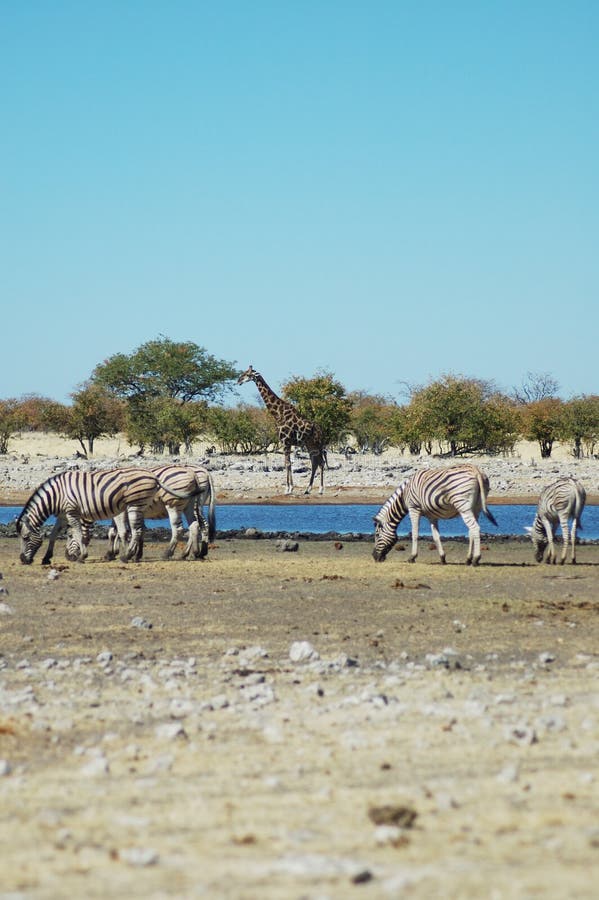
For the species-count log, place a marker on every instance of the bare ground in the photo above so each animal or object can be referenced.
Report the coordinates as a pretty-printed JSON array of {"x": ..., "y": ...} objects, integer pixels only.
[{"x": 195, "y": 758}]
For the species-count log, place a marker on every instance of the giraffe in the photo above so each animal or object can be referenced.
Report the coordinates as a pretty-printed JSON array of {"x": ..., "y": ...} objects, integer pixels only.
[{"x": 293, "y": 429}]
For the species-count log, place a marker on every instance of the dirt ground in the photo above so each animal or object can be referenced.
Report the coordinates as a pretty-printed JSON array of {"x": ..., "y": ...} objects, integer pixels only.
[{"x": 162, "y": 733}]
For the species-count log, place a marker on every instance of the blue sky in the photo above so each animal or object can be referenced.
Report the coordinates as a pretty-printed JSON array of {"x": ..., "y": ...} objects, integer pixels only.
[{"x": 389, "y": 191}]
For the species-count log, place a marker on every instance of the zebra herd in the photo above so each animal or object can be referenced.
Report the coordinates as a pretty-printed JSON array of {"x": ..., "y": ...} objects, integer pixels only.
[{"x": 128, "y": 496}]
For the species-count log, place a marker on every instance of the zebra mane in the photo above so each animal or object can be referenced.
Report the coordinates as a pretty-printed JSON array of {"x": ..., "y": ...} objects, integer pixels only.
[
  {"x": 32, "y": 499},
  {"x": 388, "y": 505}
]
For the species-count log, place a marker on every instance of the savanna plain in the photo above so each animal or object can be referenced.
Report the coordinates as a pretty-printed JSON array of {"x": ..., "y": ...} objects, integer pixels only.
[
  {"x": 309, "y": 724},
  {"x": 267, "y": 724}
]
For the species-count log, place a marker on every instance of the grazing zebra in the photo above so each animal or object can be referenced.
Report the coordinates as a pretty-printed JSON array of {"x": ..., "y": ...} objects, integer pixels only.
[
  {"x": 197, "y": 484},
  {"x": 441, "y": 493},
  {"x": 76, "y": 498},
  {"x": 559, "y": 502}
]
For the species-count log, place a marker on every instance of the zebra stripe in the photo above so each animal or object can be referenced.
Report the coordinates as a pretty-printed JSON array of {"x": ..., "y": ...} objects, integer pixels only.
[
  {"x": 441, "y": 493},
  {"x": 559, "y": 502},
  {"x": 75, "y": 496},
  {"x": 195, "y": 482}
]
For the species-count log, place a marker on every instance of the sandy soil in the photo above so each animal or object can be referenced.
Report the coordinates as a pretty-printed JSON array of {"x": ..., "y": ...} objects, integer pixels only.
[{"x": 160, "y": 735}]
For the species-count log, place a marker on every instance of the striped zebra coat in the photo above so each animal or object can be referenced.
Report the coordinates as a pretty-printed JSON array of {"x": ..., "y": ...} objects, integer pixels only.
[
  {"x": 78, "y": 499},
  {"x": 559, "y": 502},
  {"x": 441, "y": 493},
  {"x": 197, "y": 484}
]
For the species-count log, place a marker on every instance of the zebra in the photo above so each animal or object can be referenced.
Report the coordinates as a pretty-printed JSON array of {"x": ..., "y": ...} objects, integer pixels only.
[
  {"x": 78, "y": 499},
  {"x": 440, "y": 493},
  {"x": 197, "y": 484},
  {"x": 559, "y": 502}
]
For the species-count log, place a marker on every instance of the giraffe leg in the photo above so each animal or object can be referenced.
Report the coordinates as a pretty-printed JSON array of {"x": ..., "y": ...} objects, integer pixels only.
[{"x": 289, "y": 488}]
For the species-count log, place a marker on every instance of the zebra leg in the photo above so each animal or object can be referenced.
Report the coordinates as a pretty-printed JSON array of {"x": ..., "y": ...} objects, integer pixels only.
[
  {"x": 471, "y": 523},
  {"x": 437, "y": 539},
  {"x": 56, "y": 529},
  {"x": 550, "y": 544},
  {"x": 415, "y": 520},
  {"x": 118, "y": 535},
  {"x": 135, "y": 547},
  {"x": 176, "y": 531},
  {"x": 573, "y": 541},
  {"x": 76, "y": 548},
  {"x": 565, "y": 538}
]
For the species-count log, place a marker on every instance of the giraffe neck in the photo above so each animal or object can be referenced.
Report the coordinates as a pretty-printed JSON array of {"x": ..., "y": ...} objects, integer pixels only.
[{"x": 274, "y": 404}]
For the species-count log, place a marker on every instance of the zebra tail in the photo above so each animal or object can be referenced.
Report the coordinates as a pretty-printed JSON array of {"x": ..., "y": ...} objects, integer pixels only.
[
  {"x": 580, "y": 501},
  {"x": 179, "y": 495},
  {"x": 483, "y": 498},
  {"x": 211, "y": 513}
]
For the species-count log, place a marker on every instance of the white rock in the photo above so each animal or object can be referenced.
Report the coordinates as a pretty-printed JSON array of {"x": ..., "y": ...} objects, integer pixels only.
[
  {"x": 169, "y": 731},
  {"x": 302, "y": 651},
  {"x": 139, "y": 856}
]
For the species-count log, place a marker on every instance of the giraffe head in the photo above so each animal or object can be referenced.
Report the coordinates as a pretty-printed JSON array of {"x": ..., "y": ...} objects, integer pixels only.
[{"x": 248, "y": 375}]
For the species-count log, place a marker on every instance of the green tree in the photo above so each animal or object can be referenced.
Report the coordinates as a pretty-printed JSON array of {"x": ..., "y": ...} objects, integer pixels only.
[
  {"x": 322, "y": 400},
  {"x": 158, "y": 377},
  {"x": 243, "y": 429},
  {"x": 450, "y": 412},
  {"x": 95, "y": 412},
  {"x": 543, "y": 422},
  {"x": 43, "y": 414},
  {"x": 11, "y": 421},
  {"x": 163, "y": 423},
  {"x": 164, "y": 368},
  {"x": 371, "y": 421},
  {"x": 580, "y": 424}
]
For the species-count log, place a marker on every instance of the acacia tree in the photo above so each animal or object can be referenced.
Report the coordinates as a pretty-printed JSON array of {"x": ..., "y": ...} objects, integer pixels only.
[
  {"x": 322, "y": 400},
  {"x": 371, "y": 421},
  {"x": 536, "y": 386},
  {"x": 11, "y": 420},
  {"x": 243, "y": 429},
  {"x": 95, "y": 412},
  {"x": 42, "y": 413},
  {"x": 543, "y": 422},
  {"x": 156, "y": 378},
  {"x": 580, "y": 423}
]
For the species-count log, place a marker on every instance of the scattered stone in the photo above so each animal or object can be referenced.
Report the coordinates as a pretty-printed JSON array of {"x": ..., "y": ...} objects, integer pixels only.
[
  {"x": 302, "y": 651},
  {"x": 5, "y": 609},
  {"x": 170, "y": 731},
  {"x": 509, "y": 774},
  {"x": 140, "y": 622},
  {"x": 362, "y": 877},
  {"x": 53, "y": 575},
  {"x": 522, "y": 734},
  {"x": 286, "y": 545},
  {"x": 390, "y": 814},
  {"x": 139, "y": 856},
  {"x": 390, "y": 835},
  {"x": 96, "y": 765},
  {"x": 5, "y": 768}
]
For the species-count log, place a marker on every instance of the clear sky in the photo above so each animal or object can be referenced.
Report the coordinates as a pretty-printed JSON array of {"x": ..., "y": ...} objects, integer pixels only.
[{"x": 389, "y": 190}]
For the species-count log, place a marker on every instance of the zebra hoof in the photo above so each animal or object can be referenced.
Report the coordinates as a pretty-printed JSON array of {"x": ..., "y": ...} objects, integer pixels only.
[
  {"x": 443, "y": 561},
  {"x": 476, "y": 561}
]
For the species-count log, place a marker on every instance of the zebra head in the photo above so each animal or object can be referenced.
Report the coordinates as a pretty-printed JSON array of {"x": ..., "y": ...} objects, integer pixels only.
[
  {"x": 539, "y": 539},
  {"x": 385, "y": 536},
  {"x": 31, "y": 539}
]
